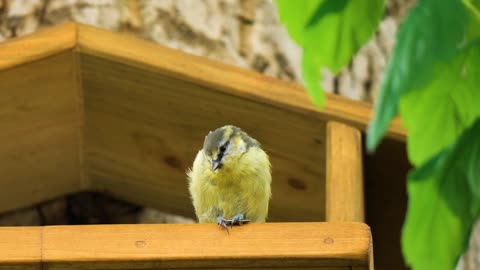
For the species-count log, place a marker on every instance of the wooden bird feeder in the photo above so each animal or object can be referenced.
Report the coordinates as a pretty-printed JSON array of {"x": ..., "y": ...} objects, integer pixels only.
[{"x": 86, "y": 109}]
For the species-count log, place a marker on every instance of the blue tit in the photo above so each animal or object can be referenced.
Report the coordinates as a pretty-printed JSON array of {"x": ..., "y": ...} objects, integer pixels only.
[{"x": 230, "y": 179}]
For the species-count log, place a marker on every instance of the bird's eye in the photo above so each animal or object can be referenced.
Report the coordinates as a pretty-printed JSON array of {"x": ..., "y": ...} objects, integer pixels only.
[{"x": 223, "y": 147}]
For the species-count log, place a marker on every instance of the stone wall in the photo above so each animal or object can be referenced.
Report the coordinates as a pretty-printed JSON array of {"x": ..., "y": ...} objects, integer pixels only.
[{"x": 245, "y": 33}]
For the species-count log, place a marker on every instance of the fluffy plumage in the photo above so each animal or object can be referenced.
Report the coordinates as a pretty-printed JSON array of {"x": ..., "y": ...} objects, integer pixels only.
[{"x": 231, "y": 175}]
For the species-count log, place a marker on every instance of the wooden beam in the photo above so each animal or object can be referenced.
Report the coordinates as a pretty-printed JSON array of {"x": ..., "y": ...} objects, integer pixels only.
[
  {"x": 344, "y": 183},
  {"x": 40, "y": 45},
  {"x": 96, "y": 41},
  {"x": 224, "y": 78},
  {"x": 185, "y": 246}
]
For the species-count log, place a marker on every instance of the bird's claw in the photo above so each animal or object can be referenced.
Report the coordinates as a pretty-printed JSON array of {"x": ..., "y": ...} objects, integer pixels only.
[
  {"x": 236, "y": 220},
  {"x": 239, "y": 220},
  {"x": 222, "y": 222}
]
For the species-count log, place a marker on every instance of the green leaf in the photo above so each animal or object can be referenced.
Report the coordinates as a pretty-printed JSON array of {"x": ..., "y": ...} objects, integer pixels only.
[
  {"x": 473, "y": 7},
  {"x": 295, "y": 14},
  {"x": 432, "y": 32},
  {"x": 330, "y": 32},
  {"x": 444, "y": 202},
  {"x": 435, "y": 115}
]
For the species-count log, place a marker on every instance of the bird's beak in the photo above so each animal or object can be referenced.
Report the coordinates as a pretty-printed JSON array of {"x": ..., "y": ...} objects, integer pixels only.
[{"x": 215, "y": 164}]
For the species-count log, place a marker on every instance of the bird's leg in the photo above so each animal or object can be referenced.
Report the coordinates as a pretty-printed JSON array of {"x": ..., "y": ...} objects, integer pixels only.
[
  {"x": 239, "y": 219},
  {"x": 222, "y": 222}
]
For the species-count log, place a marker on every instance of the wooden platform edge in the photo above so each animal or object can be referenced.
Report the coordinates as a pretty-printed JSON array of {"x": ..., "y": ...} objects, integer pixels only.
[
  {"x": 229, "y": 79},
  {"x": 37, "y": 46},
  {"x": 313, "y": 244}
]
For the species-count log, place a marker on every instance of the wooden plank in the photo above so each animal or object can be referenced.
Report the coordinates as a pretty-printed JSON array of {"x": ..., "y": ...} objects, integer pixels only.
[
  {"x": 344, "y": 182},
  {"x": 20, "y": 248},
  {"x": 40, "y": 124},
  {"x": 186, "y": 246},
  {"x": 143, "y": 130},
  {"x": 325, "y": 246},
  {"x": 37, "y": 46},
  {"x": 225, "y": 78}
]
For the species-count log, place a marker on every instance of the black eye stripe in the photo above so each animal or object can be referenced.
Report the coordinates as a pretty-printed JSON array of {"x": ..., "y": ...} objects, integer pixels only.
[
  {"x": 222, "y": 150},
  {"x": 224, "y": 146}
]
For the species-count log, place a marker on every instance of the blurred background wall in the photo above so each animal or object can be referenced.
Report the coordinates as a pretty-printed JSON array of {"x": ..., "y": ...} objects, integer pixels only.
[{"x": 245, "y": 33}]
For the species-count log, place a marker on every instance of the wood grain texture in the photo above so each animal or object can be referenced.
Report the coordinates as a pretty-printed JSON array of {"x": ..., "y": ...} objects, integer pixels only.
[
  {"x": 40, "y": 45},
  {"x": 344, "y": 179},
  {"x": 224, "y": 78},
  {"x": 143, "y": 130},
  {"x": 39, "y": 120},
  {"x": 324, "y": 246},
  {"x": 20, "y": 248},
  {"x": 142, "y": 126},
  {"x": 186, "y": 246}
]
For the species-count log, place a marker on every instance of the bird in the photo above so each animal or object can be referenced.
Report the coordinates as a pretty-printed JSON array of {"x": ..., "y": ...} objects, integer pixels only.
[{"x": 230, "y": 179}]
